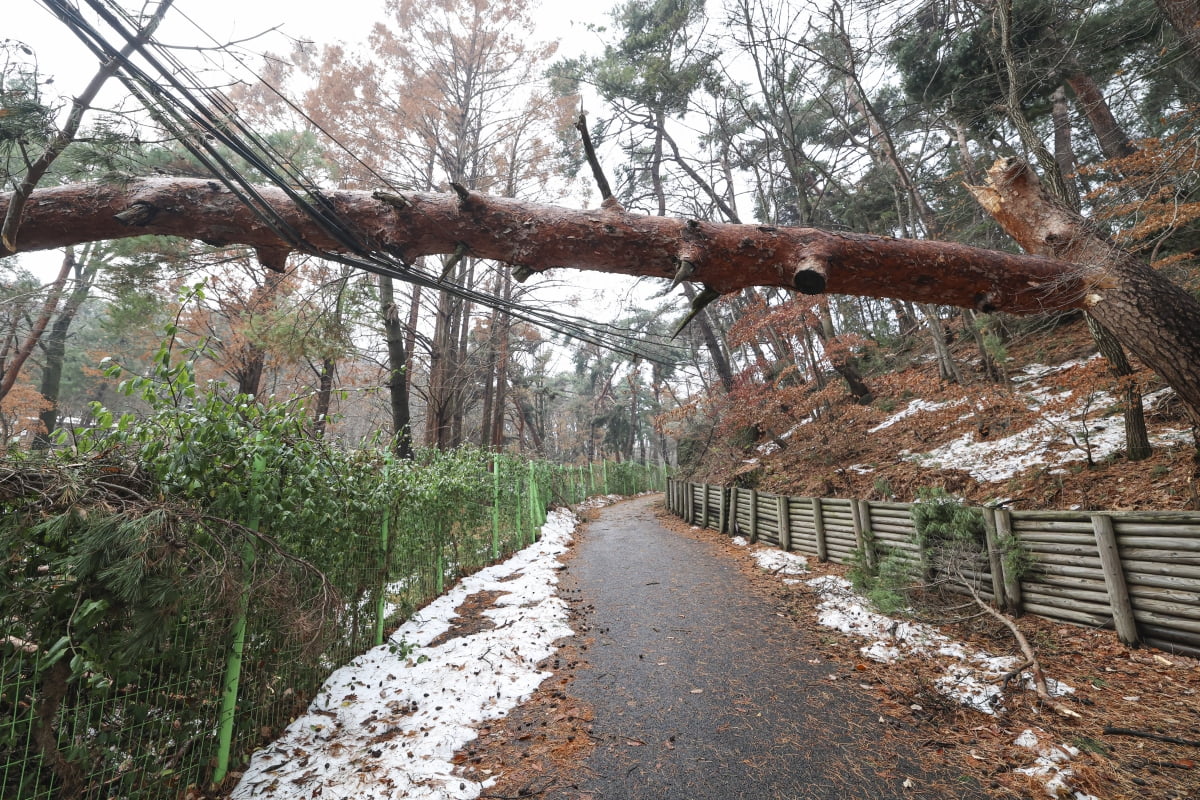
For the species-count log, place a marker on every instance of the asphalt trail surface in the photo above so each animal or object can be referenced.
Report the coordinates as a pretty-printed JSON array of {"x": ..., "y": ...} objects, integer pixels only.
[{"x": 701, "y": 688}]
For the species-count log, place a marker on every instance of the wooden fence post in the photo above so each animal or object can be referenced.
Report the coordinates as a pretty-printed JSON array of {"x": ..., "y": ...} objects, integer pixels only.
[
  {"x": 995, "y": 562},
  {"x": 785, "y": 524},
  {"x": 704, "y": 505},
  {"x": 1012, "y": 581},
  {"x": 860, "y": 513},
  {"x": 819, "y": 530},
  {"x": 723, "y": 510},
  {"x": 753, "y": 516},
  {"x": 689, "y": 503},
  {"x": 1114, "y": 580}
]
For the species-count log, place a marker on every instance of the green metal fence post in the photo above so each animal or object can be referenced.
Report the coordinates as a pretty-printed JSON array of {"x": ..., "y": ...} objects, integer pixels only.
[
  {"x": 533, "y": 504},
  {"x": 383, "y": 542},
  {"x": 495, "y": 506},
  {"x": 383, "y": 580},
  {"x": 233, "y": 662},
  {"x": 517, "y": 505}
]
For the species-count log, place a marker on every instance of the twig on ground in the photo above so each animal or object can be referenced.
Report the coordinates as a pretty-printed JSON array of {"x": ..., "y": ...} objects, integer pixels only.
[
  {"x": 1110, "y": 730},
  {"x": 1034, "y": 666}
]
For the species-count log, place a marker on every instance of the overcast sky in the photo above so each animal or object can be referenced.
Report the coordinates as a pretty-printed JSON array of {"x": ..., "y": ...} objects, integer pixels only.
[
  {"x": 204, "y": 23},
  {"x": 60, "y": 54}
]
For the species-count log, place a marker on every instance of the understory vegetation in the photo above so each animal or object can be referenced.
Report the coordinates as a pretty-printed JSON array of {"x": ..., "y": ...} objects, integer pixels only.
[{"x": 148, "y": 546}]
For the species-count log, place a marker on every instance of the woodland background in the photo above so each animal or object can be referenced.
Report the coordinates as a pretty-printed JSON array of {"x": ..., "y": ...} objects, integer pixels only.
[{"x": 865, "y": 117}]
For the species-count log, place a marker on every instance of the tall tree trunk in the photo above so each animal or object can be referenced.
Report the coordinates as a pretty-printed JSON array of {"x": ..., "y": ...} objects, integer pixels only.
[
  {"x": 906, "y": 320},
  {"x": 1137, "y": 439},
  {"x": 397, "y": 382},
  {"x": 14, "y": 355},
  {"x": 1115, "y": 144},
  {"x": 1156, "y": 319},
  {"x": 500, "y": 402},
  {"x": 324, "y": 395},
  {"x": 846, "y": 366},
  {"x": 711, "y": 342},
  {"x": 633, "y": 415},
  {"x": 991, "y": 370},
  {"x": 947, "y": 367},
  {"x": 438, "y": 411},
  {"x": 1064, "y": 150},
  {"x": 54, "y": 346},
  {"x": 489, "y": 378},
  {"x": 1114, "y": 141}
]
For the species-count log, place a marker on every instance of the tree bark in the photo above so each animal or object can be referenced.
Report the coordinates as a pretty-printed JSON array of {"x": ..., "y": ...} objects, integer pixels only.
[
  {"x": 1137, "y": 440},
  {"x": 719, "y": 359},
  {"x": 9, "y": 370},
  {"x": 726, "y": 257},
  {"x": 393, "y": 334},
  {"x": 947, "y": 367},
  {"x": 54, "y": 347},
  {"x": 1064, "y": 149},
  {"x": 1156, "y": 319},
  {"x": 1114, "y": 142},
  {"x": 324, "y": 396}
]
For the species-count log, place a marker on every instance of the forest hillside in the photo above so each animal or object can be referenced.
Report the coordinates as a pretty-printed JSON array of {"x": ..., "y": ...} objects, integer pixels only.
[{"x": 1051, "y": 436}]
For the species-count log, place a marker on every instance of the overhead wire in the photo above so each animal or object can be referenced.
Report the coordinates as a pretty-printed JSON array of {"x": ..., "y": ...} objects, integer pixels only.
[{"x": 203, "y": 124}]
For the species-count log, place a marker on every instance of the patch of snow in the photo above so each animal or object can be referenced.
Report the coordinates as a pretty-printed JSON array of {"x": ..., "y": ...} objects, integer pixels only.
[
  {"x": 861, "y": 469},
  {"x": 1036, "y": 371},
  {"x": 387, "y": 724},
  {"x": 740, "y": 541},
  {"x": 1056, "y": 438},
  {"x": 914, "y": 407},
  {"x": 779, "y": 562},
  {"x": 971, "y": 677},
  {"x": 1052, "y": 764}
]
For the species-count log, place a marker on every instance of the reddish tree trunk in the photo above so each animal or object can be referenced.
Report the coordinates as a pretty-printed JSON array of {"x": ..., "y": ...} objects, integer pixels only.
[
  {"x": 726, "y": 257},
  {"x": 1156, "y": 319},
  {"x": 1153, "y": 317}
]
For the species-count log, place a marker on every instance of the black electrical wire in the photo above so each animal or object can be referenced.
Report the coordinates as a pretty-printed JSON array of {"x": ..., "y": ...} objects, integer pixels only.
[{"x": 199, "y": 129}]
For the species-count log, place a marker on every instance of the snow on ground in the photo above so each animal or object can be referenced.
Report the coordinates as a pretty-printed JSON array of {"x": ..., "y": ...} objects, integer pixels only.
[
  {"x": 387, "y": 724},
  {"x": 1060, "y": 435},
  {"x": 971, "y": 677},
  {"x": 779, "y": 562},
  {"x": 1051, "y": 766},
  {"x": 915, "y": 407}
]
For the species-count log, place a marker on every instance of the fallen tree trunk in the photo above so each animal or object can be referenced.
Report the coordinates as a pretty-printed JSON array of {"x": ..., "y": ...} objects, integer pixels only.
[
  {"x": 1157, "y": 320},
  {"x": 538, "y": 237},
  {"x": 1071, "y": 267}
]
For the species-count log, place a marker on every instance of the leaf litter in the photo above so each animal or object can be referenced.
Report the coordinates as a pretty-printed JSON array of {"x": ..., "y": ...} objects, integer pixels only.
[
  {"x": 389, "y": 723},
  {"x": 1067, "y": 761}
]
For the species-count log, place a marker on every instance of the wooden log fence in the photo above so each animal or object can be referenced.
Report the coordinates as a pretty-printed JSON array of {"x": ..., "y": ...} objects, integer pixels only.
[{"x": 1135, "y": 572}]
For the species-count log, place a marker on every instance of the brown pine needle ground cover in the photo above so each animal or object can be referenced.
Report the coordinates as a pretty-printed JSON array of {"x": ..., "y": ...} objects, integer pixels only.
[
  {"x": 840, "y": 456},
  {"x": 1144, "y": 690},
  {"x": 539, "y": 748}
]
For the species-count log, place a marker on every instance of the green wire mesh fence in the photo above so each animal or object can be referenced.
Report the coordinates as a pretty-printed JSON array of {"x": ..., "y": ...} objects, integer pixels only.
[{"x": 176, "y": 687}]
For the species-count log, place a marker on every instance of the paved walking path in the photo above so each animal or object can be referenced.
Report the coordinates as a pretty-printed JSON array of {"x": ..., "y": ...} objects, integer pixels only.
[{"x": 701, "y": 689}]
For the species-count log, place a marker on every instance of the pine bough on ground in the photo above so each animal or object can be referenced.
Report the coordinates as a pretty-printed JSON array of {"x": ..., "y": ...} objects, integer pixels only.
[{"x": 970, "y": 676}]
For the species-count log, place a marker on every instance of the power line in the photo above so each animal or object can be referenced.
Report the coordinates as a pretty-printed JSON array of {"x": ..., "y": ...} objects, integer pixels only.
[{"x": 204, "y": 123}]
